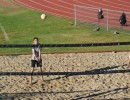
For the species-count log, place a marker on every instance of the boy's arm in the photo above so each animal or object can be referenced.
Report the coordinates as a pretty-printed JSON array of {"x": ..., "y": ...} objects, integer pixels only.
[
  {"x": 33, "y": 52},
  {"x": 39, "y": 54}
]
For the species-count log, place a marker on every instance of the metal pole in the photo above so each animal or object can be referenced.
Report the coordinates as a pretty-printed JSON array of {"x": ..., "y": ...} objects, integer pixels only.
[
  {"x": 107, "y": 20},
  {"x": 75, "y": 18}
]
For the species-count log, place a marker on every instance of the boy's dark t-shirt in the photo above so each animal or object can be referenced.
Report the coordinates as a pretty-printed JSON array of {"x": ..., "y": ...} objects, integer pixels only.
[{"x": 36, "y": 52}]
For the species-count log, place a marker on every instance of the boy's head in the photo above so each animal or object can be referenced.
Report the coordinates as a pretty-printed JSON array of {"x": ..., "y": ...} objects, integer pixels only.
[{"x": 35, "y": 40}]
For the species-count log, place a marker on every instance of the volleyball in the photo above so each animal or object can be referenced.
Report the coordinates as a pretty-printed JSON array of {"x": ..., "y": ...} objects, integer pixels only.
[{"x": 43, "y": 16}]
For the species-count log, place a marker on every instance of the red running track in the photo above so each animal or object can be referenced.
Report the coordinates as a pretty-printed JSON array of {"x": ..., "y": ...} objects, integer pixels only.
[
  {"x": 65, "y": 8},
  {"x": 5, "y": 3}
]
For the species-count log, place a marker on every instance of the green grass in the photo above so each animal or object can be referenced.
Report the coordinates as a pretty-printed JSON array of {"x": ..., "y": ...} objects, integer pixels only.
[{"x": 23, "y": 24}]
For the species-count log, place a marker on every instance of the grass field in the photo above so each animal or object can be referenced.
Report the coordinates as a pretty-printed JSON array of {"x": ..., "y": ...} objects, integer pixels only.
[{"x": 22, "y": 24}]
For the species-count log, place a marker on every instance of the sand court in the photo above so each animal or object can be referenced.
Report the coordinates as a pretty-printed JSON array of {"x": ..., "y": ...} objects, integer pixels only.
[{"x": 114, "y": 85}]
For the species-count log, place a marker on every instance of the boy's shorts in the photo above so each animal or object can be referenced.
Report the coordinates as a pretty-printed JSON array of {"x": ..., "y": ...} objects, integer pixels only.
[{"x": 34, "y": 63}]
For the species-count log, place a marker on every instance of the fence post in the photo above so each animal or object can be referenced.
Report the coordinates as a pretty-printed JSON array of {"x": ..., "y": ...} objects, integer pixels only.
[
  {"x": 107, "y": 20},
  {"x": 75, "y": 18}
]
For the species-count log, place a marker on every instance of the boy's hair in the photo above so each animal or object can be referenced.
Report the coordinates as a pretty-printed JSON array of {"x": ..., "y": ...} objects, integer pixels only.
[{"x": 35, "y": 38}]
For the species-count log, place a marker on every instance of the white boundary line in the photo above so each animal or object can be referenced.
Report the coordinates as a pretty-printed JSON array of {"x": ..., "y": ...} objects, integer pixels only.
[{"x": 4, "y": 32}]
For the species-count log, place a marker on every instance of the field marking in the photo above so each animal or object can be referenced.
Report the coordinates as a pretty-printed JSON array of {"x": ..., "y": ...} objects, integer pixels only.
[{"x": 4, "y": 32}]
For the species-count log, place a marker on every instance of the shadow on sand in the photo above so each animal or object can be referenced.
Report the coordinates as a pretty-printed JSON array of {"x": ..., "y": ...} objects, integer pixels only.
[
  {"x": 86, "y": 94},
  {"x": 106, "y": 70}
]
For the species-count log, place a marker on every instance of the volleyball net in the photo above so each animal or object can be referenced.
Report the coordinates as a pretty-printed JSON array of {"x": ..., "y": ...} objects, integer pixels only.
[
  {"x": 13, "y": 61},
  {"x": 87, "y": 16},
  {"x": 52, "y": 48}
]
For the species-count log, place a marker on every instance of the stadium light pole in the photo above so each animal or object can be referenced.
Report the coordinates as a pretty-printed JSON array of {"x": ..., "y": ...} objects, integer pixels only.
[
  {"x": 107, "y": 20},
  {"x": 75, "y": 13}
]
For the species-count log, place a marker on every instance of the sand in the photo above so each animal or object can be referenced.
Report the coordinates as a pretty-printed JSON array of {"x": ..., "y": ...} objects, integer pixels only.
[{"x": 105, "y": 85}]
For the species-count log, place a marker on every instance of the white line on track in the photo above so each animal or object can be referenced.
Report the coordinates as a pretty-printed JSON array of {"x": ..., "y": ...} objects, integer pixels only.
[
  {"x": 59, "y": 5},
  {"x": 50, "y": 7},
  {"x": 29, "y": 6},
  {"x": 100, "y": 4}
]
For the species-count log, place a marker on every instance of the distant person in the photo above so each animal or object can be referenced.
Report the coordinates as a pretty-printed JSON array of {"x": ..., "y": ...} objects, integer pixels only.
[
  {"x": 100, "y": 14},
  {"x": 36, "y": 60},
  {"x": 123, "y": 19}
]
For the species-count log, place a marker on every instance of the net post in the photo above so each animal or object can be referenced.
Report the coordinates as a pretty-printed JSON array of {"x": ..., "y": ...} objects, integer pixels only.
[
  {"x": 107, "y": 19},
  {"x": 75, "y": 22}
]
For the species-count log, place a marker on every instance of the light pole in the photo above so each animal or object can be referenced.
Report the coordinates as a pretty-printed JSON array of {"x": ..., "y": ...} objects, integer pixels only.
[{"x": 75, "y": 13}]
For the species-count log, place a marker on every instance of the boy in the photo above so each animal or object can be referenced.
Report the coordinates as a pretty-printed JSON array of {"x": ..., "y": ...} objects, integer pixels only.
[{"x": 36, "y": 57}]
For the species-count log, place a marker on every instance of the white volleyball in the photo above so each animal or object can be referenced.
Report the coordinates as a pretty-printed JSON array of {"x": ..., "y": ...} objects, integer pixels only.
[{"x": 43, "y": 16}]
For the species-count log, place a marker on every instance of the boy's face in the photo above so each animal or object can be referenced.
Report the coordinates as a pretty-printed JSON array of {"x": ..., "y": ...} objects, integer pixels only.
[{"x": 35, "y": 41}]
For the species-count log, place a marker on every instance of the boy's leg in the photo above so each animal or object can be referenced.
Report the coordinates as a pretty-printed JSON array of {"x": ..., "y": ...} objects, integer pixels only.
[
  {"x": 32, "y": 71},
  {"x": 39, "y": 64},
  {"x": 41, "y": 72}
]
